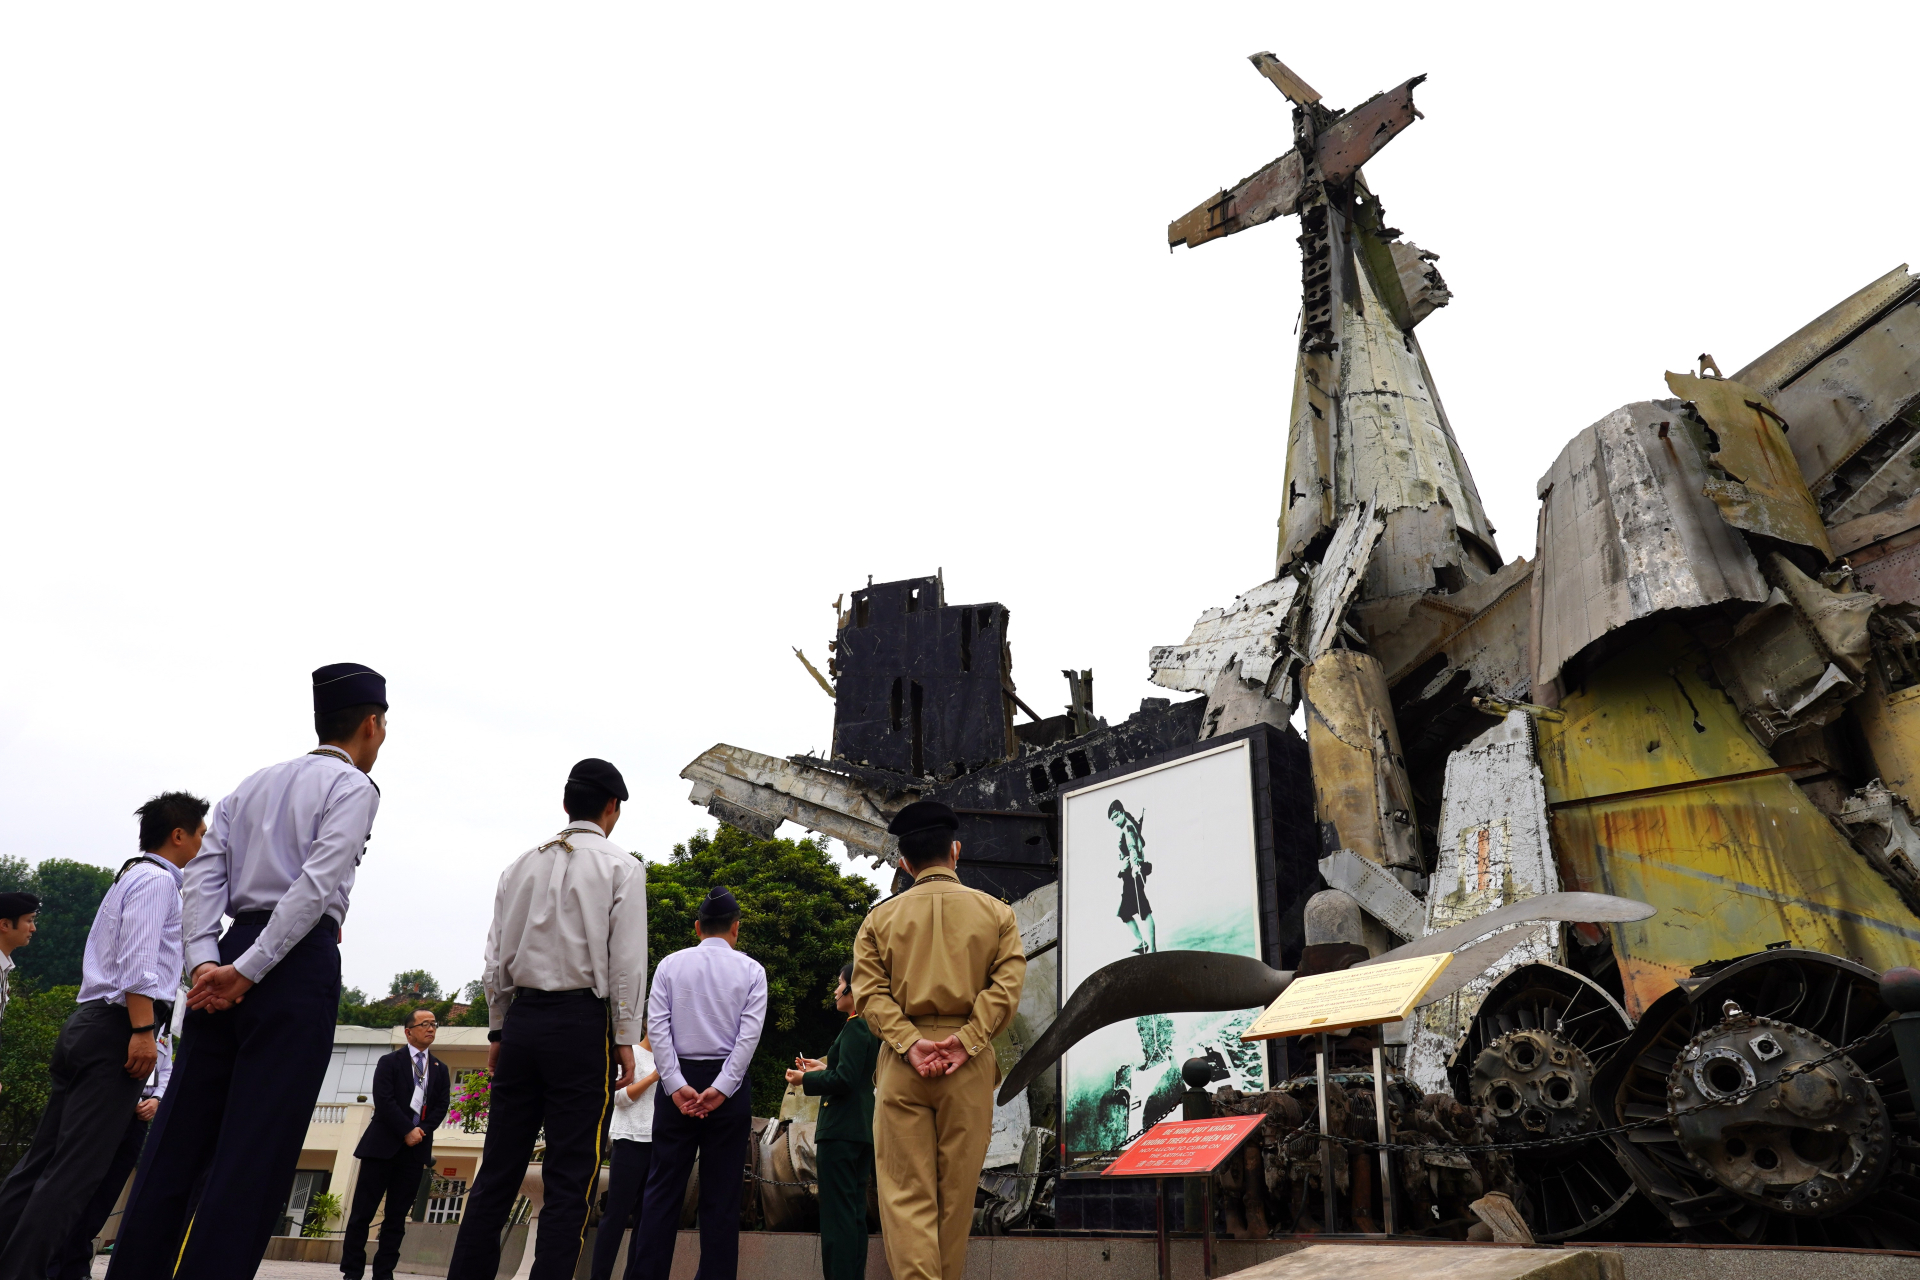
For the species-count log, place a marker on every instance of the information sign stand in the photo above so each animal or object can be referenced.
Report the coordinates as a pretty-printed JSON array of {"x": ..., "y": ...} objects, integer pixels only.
[
  {"x": 1184, "y": 1148},
  {"x": 1327, "y": 1002}
]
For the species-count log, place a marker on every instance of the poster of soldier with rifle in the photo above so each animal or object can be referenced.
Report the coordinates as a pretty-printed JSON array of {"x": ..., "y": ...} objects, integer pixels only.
[{"x": 1186, "y": 882}]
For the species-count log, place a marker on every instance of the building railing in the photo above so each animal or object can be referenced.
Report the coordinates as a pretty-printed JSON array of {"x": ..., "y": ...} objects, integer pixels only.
[{"x": 330, "y": 1113}]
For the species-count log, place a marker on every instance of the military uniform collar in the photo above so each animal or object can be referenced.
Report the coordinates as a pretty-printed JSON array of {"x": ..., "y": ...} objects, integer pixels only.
[
  {"x": 585, "y": 827},
  {"x": 946, "y": 872}
]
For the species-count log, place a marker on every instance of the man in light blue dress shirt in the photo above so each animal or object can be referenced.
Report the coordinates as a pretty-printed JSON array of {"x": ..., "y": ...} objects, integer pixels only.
[
  {"x": 280, "y": 857},
  {"x": 705, "y": 1014},
  {"x": 108, "y": 1047}
]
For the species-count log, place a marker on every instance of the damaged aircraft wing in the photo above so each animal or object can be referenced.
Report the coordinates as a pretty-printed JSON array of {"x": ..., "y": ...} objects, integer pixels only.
[
  {"x": 758, "y": 792},
  {"x": 1847, "y": 383},
  {"x": 1274, "y": 190},
  {"x": 1253, "y": 631}
]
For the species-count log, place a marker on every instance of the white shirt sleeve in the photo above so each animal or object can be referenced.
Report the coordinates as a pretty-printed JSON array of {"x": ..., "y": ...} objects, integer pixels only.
[
  {"x": 660, "y": 1029},
  {"x": 203, "y": 892},
  {"x": 345, "y": 824},
  {"x": 627, "y": 952},
  {"x": 753, "y": 1019}
]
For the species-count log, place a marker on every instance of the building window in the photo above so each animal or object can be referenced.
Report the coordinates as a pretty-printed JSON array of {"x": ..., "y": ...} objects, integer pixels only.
[
  {"x": 446, "y": 1198},
  {"x": 307, "y": 1183}
]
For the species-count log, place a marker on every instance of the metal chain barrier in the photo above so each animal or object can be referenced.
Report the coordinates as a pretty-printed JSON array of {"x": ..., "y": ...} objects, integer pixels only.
[
  {"x": 1739, "y": 1095},
  {"x": 1303, "y": 1129}
]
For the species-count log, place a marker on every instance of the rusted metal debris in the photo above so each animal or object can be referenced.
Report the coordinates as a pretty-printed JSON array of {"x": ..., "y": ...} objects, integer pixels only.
[{"x": 1703, "y": 693}]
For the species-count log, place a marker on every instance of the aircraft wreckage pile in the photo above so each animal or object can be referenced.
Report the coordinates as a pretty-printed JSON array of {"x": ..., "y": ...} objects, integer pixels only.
[{"x": 1702, "y": 695}]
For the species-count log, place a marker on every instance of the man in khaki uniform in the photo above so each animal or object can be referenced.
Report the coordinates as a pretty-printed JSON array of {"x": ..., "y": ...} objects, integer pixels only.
[{"x": 936, "y": 973}]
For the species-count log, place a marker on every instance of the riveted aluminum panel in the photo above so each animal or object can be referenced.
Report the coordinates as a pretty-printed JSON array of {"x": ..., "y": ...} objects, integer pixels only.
[{"x": 1626, "y": 532}]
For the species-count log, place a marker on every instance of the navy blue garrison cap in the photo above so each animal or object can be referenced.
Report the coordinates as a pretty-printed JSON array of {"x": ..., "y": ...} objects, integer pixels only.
[
  {"x": 598, "y": 773},
  {"x": 347, "y": 684},
  {"x": 720, "y": 904}
]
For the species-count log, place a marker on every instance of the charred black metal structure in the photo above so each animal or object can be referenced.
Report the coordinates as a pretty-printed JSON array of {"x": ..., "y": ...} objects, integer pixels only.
[{"x": 922, "y": 688}]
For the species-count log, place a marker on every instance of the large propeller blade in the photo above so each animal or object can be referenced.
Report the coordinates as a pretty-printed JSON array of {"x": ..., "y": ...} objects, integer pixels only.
[
  {"x": 1214, "y": 982},
  {"x": 1588, "y": 908},
  {"x": 1160, "y": 982}
]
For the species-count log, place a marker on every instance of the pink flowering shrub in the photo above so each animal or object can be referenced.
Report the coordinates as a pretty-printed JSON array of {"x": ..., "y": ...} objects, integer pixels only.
[{"x": 471, "y": 1098}]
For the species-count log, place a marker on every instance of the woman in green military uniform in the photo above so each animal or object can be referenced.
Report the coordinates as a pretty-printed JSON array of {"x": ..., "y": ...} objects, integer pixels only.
[{"x": 844, "y": 1138}]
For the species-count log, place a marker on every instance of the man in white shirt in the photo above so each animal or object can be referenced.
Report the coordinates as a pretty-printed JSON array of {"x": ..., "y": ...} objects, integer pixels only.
[
  {"x": 74, "y": 1259},
  {"x": 17, "y": 926},
  {"x": 706, "y": 1013},
  {"x": 108, "y": 1047},
  {"x": 565, "y": 975},
  {"x": 410, "y": 1092},
  {"x": 632, "y": 1136},
  {"x": 280, "y": 857}
]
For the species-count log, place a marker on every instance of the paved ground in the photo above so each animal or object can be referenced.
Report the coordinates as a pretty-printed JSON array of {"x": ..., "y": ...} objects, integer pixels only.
[{"x": 269, "y": 1270}]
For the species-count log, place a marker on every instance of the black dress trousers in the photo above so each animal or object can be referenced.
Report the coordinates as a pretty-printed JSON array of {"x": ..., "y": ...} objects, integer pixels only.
[
  {"x": 86, "y": 1116},
  {"x": 74, "y": 1259},
  {"x": 556, "y": 1069},
  {"x": 626, "y": 1181},
  {"x": 235, "y": 1114},
  {"x": 720, "y": 1141},
  {"x": 397, "y": 1181}
]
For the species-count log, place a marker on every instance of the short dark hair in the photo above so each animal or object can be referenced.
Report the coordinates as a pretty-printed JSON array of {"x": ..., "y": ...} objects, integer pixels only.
[
  {"x": 408, "y": 1018},
  {"x": 585, "y": 802},
  {"x": 166, "y": 812},
  {"x": 714, "y": 926},
  {"x": 343, "y": 722},
  {"x": 918, "y": 848},
  {"x": 846, "y": 974}
]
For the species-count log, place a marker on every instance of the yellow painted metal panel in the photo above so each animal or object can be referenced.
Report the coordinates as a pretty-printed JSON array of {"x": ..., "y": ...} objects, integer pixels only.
[
  {"x": 1733, "y": 864},
  {"x": 1764, "y": 491},
  {"x": 1890, "y": 725}
]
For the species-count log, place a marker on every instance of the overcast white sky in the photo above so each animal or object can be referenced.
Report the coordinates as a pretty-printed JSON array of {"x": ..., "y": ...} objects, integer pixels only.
[{"x": 565, "y": 362}]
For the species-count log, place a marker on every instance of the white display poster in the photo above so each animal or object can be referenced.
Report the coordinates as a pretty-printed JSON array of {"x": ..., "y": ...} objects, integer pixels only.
[{"x": 1162, "y": 859}]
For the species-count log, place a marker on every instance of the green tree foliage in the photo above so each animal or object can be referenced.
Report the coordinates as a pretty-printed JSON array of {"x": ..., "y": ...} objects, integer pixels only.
[
  {"x": 415, "y": 984},
  {"x": 34, "y": 1018},
  {"x": 414, "y": 989},
  {"x": 357, "y": 1011},
  {"x": 69, "y": 893},
  {"x": 798, "y": 915},
  {"x": 475, "y": 998}
]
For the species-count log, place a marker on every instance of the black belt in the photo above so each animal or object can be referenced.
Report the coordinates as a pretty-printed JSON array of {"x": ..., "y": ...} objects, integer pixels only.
[
  {"x": 162, "y": 1010},
  {"x": 261, "y": 917}
]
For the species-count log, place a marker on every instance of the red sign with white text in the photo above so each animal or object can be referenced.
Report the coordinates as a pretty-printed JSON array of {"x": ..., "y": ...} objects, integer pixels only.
[{"x": 1183, "y": 1147}]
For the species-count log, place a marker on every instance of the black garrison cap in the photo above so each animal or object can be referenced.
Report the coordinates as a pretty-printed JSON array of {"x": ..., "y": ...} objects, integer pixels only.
[
  {"x": 598, "y": 773},
  {"x": 347, "y": 684},
  {"x": 923, "y": 815},
  {"x": 719, "y": 905},
  {"x": 15, "y": 905}
]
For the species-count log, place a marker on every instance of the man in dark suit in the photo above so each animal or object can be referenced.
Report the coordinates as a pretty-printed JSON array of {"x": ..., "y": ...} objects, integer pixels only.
[{"x": 410, "y": 1090}]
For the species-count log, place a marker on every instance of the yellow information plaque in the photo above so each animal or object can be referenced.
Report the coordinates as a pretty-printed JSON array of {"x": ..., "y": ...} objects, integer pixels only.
[{"x": 1350, "y": 998}]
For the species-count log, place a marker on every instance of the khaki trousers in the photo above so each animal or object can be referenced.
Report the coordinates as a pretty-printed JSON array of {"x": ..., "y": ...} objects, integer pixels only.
[{"x": 929, "y": 1140}]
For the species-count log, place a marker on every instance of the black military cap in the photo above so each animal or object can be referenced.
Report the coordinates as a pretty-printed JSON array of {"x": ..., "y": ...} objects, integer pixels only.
[
  {"x": 923, "y": 815},
  {"x": 347, "y": 684},
  {"x": 720, "y": 904},
  {"x": 15, "y": 905},
  {"x": 598, "y": 773}
]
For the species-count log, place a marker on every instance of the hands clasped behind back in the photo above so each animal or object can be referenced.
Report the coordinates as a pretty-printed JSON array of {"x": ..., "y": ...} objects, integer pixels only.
[{"x": 936, "y": 1058}]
